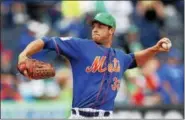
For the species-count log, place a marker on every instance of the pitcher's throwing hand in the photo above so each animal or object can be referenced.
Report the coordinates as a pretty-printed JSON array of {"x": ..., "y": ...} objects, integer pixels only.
[{"x": 163, "y": 45}]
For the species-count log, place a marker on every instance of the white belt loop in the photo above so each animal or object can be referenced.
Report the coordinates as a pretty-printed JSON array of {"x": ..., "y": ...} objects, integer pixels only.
[
  {"x": 101, "y": 113},
  {"x": 77, "y": 111}
]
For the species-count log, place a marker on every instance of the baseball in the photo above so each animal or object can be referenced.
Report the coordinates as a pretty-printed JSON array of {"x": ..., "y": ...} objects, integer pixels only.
[{"x": 165, "y": 45}]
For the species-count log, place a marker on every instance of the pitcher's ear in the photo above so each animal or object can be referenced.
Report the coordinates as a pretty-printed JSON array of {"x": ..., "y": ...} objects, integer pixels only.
[{"x": 111, "y": 30}]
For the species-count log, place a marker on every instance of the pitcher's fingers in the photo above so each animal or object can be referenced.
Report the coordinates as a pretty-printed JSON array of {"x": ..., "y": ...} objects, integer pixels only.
[{"x": 26, "y": 74}]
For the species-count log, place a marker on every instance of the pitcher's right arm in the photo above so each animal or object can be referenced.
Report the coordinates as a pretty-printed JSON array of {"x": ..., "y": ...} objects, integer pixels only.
[
  {"x": 32, "y": 48},
  {"x": 67, "y": 46}
]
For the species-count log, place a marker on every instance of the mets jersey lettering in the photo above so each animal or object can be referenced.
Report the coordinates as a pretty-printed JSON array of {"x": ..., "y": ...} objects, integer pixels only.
[{"x": 97, "y": 65}]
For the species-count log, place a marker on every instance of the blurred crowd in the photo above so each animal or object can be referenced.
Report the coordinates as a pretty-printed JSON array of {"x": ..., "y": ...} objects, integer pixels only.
[{"x": 140, "y": 24}]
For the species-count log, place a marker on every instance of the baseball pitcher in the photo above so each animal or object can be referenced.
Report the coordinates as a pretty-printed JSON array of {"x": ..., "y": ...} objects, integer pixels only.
[{"x": 97, "y": 67}]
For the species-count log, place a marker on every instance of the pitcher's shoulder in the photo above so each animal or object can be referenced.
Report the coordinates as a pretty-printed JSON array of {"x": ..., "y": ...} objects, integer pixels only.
[
  {"x": 119, "y": 50},
  {"x": 85, "y": 41}
]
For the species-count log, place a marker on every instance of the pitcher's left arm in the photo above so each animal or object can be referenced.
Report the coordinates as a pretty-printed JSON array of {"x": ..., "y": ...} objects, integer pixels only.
[{"x": 141, "y": 57}]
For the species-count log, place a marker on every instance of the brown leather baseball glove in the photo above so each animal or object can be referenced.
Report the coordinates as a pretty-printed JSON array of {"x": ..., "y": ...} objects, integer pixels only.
[{"x": 36, "y": 69}]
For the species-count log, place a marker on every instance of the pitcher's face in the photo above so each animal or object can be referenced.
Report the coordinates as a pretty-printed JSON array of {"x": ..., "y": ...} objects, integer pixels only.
[{"x": 100, "y": 32}]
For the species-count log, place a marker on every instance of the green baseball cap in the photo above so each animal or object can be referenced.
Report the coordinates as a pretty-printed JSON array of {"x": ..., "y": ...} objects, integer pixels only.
[{"x": 106, "y": 19}]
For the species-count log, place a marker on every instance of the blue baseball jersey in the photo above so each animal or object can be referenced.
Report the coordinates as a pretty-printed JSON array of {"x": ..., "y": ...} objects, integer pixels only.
[{"x": 97, "y": 70}]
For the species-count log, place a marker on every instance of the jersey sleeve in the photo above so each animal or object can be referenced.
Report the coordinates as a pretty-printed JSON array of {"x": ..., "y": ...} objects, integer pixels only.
[
  {"x": 129, "y": 61},
  {"x": 67, "y": 46}
]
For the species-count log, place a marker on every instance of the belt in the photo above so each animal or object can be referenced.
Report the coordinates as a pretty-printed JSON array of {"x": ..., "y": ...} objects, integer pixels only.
[{"x": 90, "y": 114}]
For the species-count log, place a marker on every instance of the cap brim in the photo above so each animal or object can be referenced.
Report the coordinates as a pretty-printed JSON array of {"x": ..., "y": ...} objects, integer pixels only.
[{"x": 93, "y": 21}]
